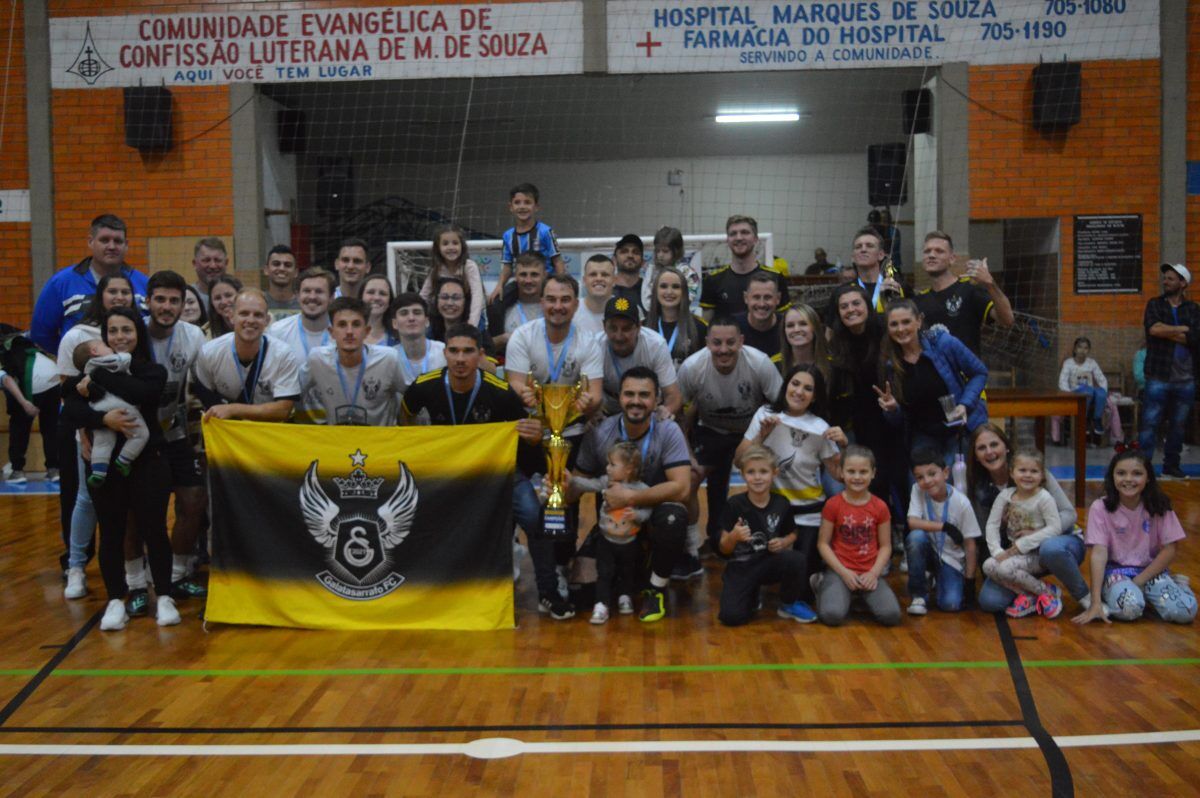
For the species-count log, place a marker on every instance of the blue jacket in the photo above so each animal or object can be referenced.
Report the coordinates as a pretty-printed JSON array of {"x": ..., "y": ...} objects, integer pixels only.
[
  {"x": 964, "y": 374},
  {"x": 66, "y": 295}
]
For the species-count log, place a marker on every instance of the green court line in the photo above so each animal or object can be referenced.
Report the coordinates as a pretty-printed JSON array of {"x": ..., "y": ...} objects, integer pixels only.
[{"x": 598, "y": 669}]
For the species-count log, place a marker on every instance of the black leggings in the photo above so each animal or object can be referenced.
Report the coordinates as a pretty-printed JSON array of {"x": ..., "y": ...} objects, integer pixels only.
[
  {"x": 144, "y": 494},
  {"x": 20, "y": 427}
]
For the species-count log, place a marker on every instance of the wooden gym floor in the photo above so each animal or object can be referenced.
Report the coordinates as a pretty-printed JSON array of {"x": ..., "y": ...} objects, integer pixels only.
[{"x": 944, "y": 705}]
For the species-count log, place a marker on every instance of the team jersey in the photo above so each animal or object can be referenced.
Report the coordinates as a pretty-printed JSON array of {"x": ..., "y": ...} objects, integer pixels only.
[
  {"x": 963, "y": 308},
  {"x": 766, "y": 342},
  {"x": 273, "y": 375},
  {"x": 726, "y": 402},
  {"x": 765, "y": 523},
  {"x": 587, "y": 321},
  {"x": 435, "y": 358},
  {"x": 540, "y": 239},
  {"x": 282, "y": 309},
  {"x": 576, "y": 356},
  {"x": 176, "y": 353},
  {"x": 521, "y": 313},
  {"x": 301, "y": 341},
  {"x": 367, "y": 395},
  {"x": 430, "y": 401},
  {"x": 650, "y": 351},
  {"x": 800, "y": 445},
  {"x": 723, "y": 291},
  {"x": 663, "y": 448}
]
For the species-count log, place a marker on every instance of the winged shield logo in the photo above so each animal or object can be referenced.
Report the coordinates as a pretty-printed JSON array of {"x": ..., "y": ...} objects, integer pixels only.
[{"x": 358, "y": 541}]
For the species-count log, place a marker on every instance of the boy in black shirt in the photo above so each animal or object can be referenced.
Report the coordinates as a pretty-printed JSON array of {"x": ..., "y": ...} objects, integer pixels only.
[{"x": 756, "y": 536}]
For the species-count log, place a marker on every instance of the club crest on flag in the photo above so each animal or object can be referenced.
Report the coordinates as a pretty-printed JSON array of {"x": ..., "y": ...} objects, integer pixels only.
[{"x": 359, "y": 539}]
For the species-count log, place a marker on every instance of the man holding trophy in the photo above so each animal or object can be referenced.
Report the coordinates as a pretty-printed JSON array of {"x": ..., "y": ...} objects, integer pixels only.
[{"x": 558, "y": 371}]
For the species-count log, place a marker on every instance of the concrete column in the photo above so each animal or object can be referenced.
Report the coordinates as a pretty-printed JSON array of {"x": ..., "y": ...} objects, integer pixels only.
[
  {"x": 950, "y": 127},
  {"x": 595, "y": 36},
  {"x": 40, "y": 147},
  {"x": 249, "y": 223},
  {"x": 1173, "y": 23}
]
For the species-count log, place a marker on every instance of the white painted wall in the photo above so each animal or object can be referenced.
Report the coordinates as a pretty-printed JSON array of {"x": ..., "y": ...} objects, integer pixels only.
[{"x": 806, "y": 201}]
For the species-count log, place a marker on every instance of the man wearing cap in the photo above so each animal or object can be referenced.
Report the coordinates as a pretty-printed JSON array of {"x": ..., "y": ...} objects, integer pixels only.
[
  {"x": 1172, "y": 344},
  {"x": 630, "y": 257},
  {"x": 626, "y": 344}
]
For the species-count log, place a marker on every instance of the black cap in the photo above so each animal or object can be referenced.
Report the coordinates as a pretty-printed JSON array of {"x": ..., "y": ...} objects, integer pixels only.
[
  {"x": 630, "y": 238},
  {"x": 620, "y": 307}
]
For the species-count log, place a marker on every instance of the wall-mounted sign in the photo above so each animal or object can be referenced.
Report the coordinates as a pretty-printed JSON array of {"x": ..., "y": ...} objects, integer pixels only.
[
  {"x": 1108, "y": 254},
  {"x": 430, "y": 41}
]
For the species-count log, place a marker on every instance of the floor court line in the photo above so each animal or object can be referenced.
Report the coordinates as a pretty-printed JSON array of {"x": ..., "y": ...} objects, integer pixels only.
[
  {"x": 601, "y": 669},
  {"x": 503, "y": 747}
]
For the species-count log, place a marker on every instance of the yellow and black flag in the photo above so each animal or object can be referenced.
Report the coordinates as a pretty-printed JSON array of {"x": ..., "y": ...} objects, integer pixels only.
[{"x": 361, "y": 527}]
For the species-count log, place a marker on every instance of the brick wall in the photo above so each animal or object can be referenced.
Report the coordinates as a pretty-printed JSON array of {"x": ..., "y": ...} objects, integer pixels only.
[
  {"x": 187, "y": 191},
  {"x": 1108, "y": 163},
  {"x": 16, "y": 289}
]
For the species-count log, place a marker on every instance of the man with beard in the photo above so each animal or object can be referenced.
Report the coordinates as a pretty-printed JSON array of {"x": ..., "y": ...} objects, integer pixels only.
[
  {"x": 1172, "y": 325},
  {"x": 554, "y": 351},
  {"x": 760, "y": 323},
  {"x": 666, "y": 468},
  {"x": 176, "y": 345},
  {"x": 356, "y": 384},
  {"x": 724, "y": 384},
  {"x": 209, "y": 259},
  {"x": 723, "y": 291},
  {"x": 306, "y": 331},
  {"x": 630, "y": 258},
  {"x": 247, "y": 374},
  {"x": 627, "y": 345},
  {"x": 961, "y": 304}
]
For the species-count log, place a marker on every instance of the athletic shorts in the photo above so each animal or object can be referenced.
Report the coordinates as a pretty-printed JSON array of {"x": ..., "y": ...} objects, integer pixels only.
[
  {"x": 186, "y": 471},
  {"x": 713, "y": 449}
]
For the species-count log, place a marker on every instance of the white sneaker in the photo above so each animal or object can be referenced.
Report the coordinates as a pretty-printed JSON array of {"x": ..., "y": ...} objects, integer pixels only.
[
  {"x": 115, "y": 616},
  {"x": 167, "y": 615},
  {"x": 76, "y": 584},
  {"x": 904, "y": 563},
  {"x": 917, "y": 607},
  {"x": 599, "y": 614},
  {"x": 519, "y": 552},
  {"x": 625, "y": 605}
]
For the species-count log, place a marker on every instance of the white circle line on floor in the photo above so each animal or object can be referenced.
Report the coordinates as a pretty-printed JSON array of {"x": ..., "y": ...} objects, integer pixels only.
[{"x": 502, "y": 747}]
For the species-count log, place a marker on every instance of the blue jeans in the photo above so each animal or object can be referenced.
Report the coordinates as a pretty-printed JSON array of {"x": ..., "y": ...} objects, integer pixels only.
[
  {"x": 922, "y": 557},
  {"x": 1061, "y": 555},
  {"x": 1097, "y": 401},
  {"x": 83, "y": 520},
  {"x": 1161, "y": 395}
]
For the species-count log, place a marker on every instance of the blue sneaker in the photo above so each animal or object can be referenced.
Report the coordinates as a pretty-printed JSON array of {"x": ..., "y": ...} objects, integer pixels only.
[{"x": 798, "y": 611}]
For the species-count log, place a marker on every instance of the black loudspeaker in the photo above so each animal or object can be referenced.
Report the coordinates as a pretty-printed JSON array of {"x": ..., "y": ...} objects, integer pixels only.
[
  {"x": 917, "y": 111},
  {"x": 148, "y": 117},
  {"x": 289, "y": 124},
  {"x": 885, "y": 174},
  {"x": 1056, "y": 95}
]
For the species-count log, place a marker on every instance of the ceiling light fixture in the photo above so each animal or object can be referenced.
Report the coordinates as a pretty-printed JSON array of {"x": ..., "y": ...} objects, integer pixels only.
[{"x": 757, "y": 116}]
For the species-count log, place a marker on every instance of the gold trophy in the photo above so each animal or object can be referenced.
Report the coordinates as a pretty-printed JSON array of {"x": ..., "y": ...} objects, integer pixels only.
[
  {"x": 889, "y": 273},
  {"x": 556, "y": 408}
]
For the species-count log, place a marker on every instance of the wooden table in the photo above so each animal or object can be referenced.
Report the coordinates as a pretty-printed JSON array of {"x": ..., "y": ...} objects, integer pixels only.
[{"x": 1039, "y": 405}]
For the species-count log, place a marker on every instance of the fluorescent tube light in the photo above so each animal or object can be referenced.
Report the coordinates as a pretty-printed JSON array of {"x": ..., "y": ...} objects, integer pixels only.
[{"x": 757, "y": 116}]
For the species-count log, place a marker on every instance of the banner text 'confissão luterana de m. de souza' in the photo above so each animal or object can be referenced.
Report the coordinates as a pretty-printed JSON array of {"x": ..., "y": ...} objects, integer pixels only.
[
  {"x": 714, "y": 37},
  {"x": 321, "y": 44}
]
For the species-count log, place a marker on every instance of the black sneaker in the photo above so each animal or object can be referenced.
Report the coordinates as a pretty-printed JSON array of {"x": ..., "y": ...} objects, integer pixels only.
[
  {"x": 654, "y": 606},
  {"x": 138, "y": 603},
  {"x": 687, "y": 568},
  {"x": 1173, "y": 471},
  {"x": 556, "y": 607},
  {"x": 187, "y": 588}
]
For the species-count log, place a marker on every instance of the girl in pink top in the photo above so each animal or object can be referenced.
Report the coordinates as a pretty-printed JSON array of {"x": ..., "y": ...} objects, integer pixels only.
[{"x": 1133, "y": 533}]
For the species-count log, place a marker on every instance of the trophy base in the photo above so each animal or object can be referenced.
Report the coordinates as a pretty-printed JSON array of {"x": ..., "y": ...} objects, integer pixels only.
[{"x": 554, "y": 522}]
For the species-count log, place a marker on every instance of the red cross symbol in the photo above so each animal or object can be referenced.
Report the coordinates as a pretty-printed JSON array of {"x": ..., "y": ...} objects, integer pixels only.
[{"x": 649, "y": 44}]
